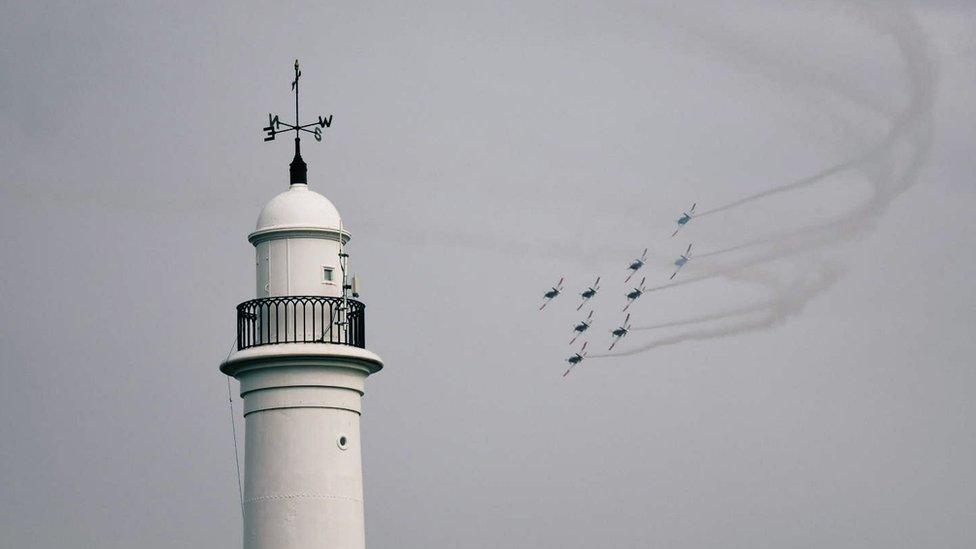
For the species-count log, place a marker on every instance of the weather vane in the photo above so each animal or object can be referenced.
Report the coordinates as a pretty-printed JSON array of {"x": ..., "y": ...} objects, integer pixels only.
[{"x": 276, "y": 126}]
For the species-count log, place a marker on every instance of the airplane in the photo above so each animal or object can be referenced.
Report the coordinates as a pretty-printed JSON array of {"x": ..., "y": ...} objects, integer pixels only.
[
  {"x": 685, "y": 218},
  {"x": 582, "y": 326},
  {"x": 589, "y": 293},
  {"x": 552, "y": 293},
  {"x": 636, "y": 264},
  {"x": 635, "y": 293},
  {"x": 680, "y": 262},
  {"x": 620, "y": 332},
  {"x": 576, "y": 358}
]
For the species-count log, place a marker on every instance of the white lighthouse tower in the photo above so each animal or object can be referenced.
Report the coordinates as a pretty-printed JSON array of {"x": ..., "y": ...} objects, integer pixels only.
[{"x": 302, "y": 365}]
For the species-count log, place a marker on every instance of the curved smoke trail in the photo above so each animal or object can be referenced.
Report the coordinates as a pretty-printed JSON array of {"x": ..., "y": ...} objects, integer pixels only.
[
  {"x": 788, "y": 300},
  {"x": 890, "y": 168}
]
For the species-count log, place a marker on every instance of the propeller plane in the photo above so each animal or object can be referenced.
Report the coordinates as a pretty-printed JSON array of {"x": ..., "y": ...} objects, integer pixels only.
[
  {"x": 681, "y": 261},
  {"x": 589, "y": 292},
  {"x": 636, "y": 265},
  {"x": 576, "y": 358},
  {"x": 618, "y": 333},
  {"x": 635, "y": 293},
  {"x": 685, "y": 218},
  {"x": 583, "y": 326},
  {"x": 552, "y": 293}
]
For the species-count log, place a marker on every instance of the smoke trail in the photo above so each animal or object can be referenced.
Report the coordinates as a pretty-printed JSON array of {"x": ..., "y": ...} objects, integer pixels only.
[
  {"x": 788, "y": 302},
  {"x": 909, "y": 39},
  {"x": 721, "y": 315},
  {"x": 768, "y": 281},
  {"x": 799, "y": 184},
  {"x": 890, "y": 168},
  {"x": 567, "y": 249},
  {"x": 913, "y": 124}
]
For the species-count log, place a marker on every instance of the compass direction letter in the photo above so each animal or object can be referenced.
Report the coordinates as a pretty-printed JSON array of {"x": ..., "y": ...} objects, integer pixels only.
[{"x": 273, "y": 125}]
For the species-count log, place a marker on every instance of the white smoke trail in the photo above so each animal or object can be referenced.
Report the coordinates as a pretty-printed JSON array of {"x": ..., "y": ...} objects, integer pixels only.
[{"x": 890, "y": 167}]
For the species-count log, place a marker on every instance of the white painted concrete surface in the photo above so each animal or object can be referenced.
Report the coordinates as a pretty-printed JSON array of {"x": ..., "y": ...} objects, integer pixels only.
[
  {"x": 303, "y": 478},
  {"x": 296, "y": 238}
]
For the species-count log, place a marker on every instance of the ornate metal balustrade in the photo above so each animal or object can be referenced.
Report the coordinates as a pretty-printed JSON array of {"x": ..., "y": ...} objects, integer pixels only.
[{"x": 301, "y": 319}]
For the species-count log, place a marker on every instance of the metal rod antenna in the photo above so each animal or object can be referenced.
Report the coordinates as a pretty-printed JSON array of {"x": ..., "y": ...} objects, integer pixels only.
[
  {"x": 297, "y": 74},
  {"x": 344, "y": 260}
]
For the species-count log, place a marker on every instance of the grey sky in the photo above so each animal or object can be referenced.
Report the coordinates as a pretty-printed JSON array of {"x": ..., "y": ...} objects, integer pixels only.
[{"x": 477, "y": 154}]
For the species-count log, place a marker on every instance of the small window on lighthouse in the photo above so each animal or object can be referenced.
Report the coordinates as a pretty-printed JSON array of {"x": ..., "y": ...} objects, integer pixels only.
[{"x": 327, "y": 274}]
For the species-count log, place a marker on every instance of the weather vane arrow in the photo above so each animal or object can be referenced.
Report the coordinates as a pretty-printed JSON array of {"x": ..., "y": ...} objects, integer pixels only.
[{"x": 276, "y": 126}]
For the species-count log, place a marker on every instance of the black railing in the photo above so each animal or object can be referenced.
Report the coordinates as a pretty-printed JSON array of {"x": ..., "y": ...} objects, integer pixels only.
[{"x": 301, "y": 319}]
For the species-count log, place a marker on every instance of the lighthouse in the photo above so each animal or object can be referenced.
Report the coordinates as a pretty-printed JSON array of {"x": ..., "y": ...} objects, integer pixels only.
[{"x": 302, "y": 364}]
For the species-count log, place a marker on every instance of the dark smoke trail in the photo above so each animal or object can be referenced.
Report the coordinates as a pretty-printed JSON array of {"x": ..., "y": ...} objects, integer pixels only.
[
  {"x": 787, "y": 302},
  {"x": 721, "y": 315},
  {"x": 890, "y": 167},
  {"x": 798, "y": 184}
]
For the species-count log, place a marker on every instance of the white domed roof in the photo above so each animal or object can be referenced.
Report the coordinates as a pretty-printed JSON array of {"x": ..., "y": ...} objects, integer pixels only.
[{"x": 298, "y": 208}]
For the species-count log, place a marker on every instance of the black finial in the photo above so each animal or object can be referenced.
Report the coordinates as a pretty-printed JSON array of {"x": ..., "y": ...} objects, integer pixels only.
[{"x": 298, "y": 169}]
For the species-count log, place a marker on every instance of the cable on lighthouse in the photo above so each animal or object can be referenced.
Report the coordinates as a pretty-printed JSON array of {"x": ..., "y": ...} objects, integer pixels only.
[{"x": 233, "y": 430}]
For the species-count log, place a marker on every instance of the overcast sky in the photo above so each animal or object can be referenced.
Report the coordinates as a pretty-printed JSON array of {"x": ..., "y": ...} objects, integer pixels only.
[{"x": 477, "y": 154}]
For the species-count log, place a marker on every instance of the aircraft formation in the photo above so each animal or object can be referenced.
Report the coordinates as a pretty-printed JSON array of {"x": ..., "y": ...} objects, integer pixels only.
[{"x": 632, "y": 295}]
